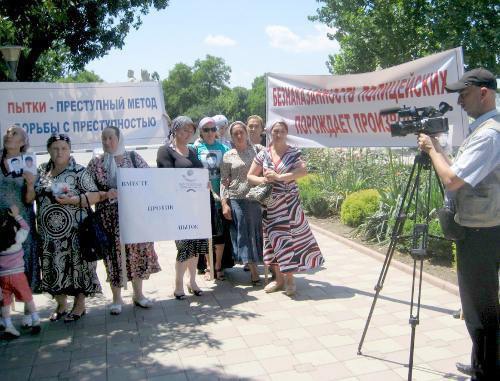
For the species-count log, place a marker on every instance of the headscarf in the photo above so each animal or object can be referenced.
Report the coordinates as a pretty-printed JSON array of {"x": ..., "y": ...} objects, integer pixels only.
[
  {"x": 273, "y": 123},
  {"x": 240, "y": 123},
  {"x": 109, "y": 157},
  {"x": 177, "y": 123},
  {"x": 220, "y": 121},
  {"x": 26, "y": 139},
  {"x": 206, "y": 120}
]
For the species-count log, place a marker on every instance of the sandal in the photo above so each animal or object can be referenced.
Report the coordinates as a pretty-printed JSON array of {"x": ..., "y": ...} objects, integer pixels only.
[
  {"x": 196, "y": 292},
  {"x": 143, "y": 302},
  {"x": 179, "y": 296},
  {"x": 115, "y": 309},
  {"x": 256, "y": 282},
  {"x": 57, "y": 315},
  {"x": 71, "y": 317},
  {"x": 219, "y": 274},
  {"x": 207, "y": 276}
]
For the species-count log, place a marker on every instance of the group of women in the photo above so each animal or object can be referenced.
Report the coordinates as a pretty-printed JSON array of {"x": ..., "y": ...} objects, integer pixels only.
[{"x": 278, "y": 233}]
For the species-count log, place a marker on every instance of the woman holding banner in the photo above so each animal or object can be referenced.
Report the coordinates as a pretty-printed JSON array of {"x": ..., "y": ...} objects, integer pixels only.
[
  {"x": 19, "y": 190},
  {"x": 177, "y": 154},
  {"x": 289, "y": 245},
  {"x": 59, "y": 192},
  {"x": 245, "y": 214},
  {"x": 141, "y": 260}
]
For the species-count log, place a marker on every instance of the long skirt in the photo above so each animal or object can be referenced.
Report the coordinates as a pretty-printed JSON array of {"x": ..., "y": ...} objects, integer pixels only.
[
  {"x": 288, "y": 240},
  {"x": 246, "y": 230}
]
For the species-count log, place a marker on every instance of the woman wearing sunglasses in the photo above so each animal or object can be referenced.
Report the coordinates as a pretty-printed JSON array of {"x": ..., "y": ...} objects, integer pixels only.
[{"x": 210, "y": 152}]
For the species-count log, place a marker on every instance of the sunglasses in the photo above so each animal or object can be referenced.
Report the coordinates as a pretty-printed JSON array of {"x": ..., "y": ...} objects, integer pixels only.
[{"x": 209, "y": 129}]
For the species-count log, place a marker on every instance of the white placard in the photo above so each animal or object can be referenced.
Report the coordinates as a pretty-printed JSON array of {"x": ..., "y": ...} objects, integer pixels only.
[
  {"x": 159, "y": 204},
  {"x": 343, "y": 111},
  {"x": 82, "y": 110}
]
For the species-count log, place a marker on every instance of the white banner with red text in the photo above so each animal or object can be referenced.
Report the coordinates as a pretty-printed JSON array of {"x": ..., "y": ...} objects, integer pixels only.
[
  {"x": 161, "y": 204},
  {"x": 83, "y": 110},
  {"x": 344, "y": 111}
]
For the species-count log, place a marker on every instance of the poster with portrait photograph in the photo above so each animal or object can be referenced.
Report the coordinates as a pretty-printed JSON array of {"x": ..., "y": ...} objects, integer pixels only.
[
  {"x": 29, "y": 163},
  {"x": 23, "y": 163}
]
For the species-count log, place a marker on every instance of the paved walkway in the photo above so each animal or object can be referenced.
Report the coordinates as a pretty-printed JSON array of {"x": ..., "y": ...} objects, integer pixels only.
[{"x": 235, "y": 331}]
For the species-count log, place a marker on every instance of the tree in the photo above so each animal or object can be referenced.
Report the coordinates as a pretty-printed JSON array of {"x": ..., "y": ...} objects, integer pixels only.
[
  {"x": 212, "y": 75},
  {"x": 81, "y": 77},
  {"x": 233, "y": 103},
  {"x": 179, "y": 90},
  {"x": 257, "y": 97},
  {"x": 378, "y": 33},
  {"x": 80, "y": 30}
]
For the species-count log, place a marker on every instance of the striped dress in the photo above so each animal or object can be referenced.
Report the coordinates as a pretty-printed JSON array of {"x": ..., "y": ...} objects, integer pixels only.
[{"x": 288, "y": 240}]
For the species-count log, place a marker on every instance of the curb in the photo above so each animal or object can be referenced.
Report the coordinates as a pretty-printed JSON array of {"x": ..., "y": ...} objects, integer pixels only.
[{"x": 435, "y": 281}]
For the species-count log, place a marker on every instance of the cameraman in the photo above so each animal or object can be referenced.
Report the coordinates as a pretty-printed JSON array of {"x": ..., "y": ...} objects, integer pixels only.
[{"x": 474, "y": 181}]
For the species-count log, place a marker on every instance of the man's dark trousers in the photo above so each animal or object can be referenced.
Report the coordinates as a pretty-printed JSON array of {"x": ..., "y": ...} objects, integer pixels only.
[{"x": 478, "y": 258}]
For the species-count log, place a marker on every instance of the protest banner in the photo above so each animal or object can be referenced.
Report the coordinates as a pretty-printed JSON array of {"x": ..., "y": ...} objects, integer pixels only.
[
  {"x": 159, "y": 204},
  {"x": 344, "y": 111},
  {"x": 82, "y": 110}
]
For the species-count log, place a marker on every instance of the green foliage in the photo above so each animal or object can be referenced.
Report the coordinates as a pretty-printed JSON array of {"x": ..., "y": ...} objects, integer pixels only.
[
  {"x": 358, "y": 206},
  {"x": 81, "y": 30},
  {"x": 378, "y": 33},
  {"x": 81, "y": 77},
  {"x": 314, "y": 201},
  {"x": 203, "y": 90},
  {"x": 210, "y": 76},
  {"x": 257, "y": 97}
]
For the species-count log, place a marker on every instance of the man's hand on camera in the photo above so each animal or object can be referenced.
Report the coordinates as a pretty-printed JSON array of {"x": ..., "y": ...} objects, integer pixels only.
[{"x": 426, "y": 143}]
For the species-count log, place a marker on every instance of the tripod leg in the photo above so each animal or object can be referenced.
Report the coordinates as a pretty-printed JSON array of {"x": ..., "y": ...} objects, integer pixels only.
[
  {"x": 395, "y": 234},
  {"x": 414, "y": 313}
]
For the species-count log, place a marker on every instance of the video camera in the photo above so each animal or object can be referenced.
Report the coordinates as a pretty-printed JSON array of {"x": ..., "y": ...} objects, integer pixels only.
[{"x": 413, "y": 120}]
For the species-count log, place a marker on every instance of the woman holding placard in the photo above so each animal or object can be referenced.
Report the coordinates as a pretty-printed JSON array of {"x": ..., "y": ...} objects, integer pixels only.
[
  {"x": 141, "y": 260},
  {"x": 177, "y": 154}
]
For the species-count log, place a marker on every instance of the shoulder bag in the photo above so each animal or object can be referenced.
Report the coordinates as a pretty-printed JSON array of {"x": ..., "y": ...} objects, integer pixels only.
[{"x": 94, "y": 242}]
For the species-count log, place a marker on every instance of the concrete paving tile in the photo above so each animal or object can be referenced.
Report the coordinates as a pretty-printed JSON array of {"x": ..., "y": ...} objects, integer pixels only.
[
  {"x": 129, "y": 373},
  {"x": 316, "y": 358},
  {"x": 290, "y": 375},
  {"x": 278, "y": 364},
  {"x": 14, "y": 359},
  {"x": 332, "y": 341},
  {"x": 433, "y": 353},
  {"x": 47, "y": 357},
  {"x": 41, "y": 371},
  {"x": 269, "y": 351},
  {"x": 294, "y": 334},
  {"x": 305, "y": 345},
  {"x": 260, "y": 339},
  {"x": 248, "y": 369},
  {"x": 17, "y": 373},
  {"x": 387, "y": 375},
  {"x": 237, "y": 356},
  {"x": 88, "y": 375},
  {"x": 335, "y": 371},
  {"x": 363, "y": 365}
]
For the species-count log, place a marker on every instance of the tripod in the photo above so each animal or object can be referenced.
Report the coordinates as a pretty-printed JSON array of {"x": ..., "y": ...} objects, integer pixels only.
[{"x": 419, "y": 238}]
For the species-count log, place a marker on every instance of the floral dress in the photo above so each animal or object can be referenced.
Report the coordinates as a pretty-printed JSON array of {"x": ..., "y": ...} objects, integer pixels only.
[
  {"x": 63, "y": 268},
  {"x": 12, "y": 189},
  {"x": 288, "y": 240},
  {"x": 141, "y": 258}
]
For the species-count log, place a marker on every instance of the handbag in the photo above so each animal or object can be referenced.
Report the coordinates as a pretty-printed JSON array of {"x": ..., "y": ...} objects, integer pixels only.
[
  {"x": 451, "y": 230},
  {"x": 261, "y": 193},
  {"x": 94, "y": 242}
]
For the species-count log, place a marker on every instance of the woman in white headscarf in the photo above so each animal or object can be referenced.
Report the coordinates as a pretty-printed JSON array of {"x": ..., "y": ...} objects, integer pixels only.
[{"x": 141, "y": 259}]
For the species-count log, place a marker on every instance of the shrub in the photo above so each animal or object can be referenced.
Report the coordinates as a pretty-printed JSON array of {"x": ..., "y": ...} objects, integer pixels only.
[{"x": 358, "y": 206}]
